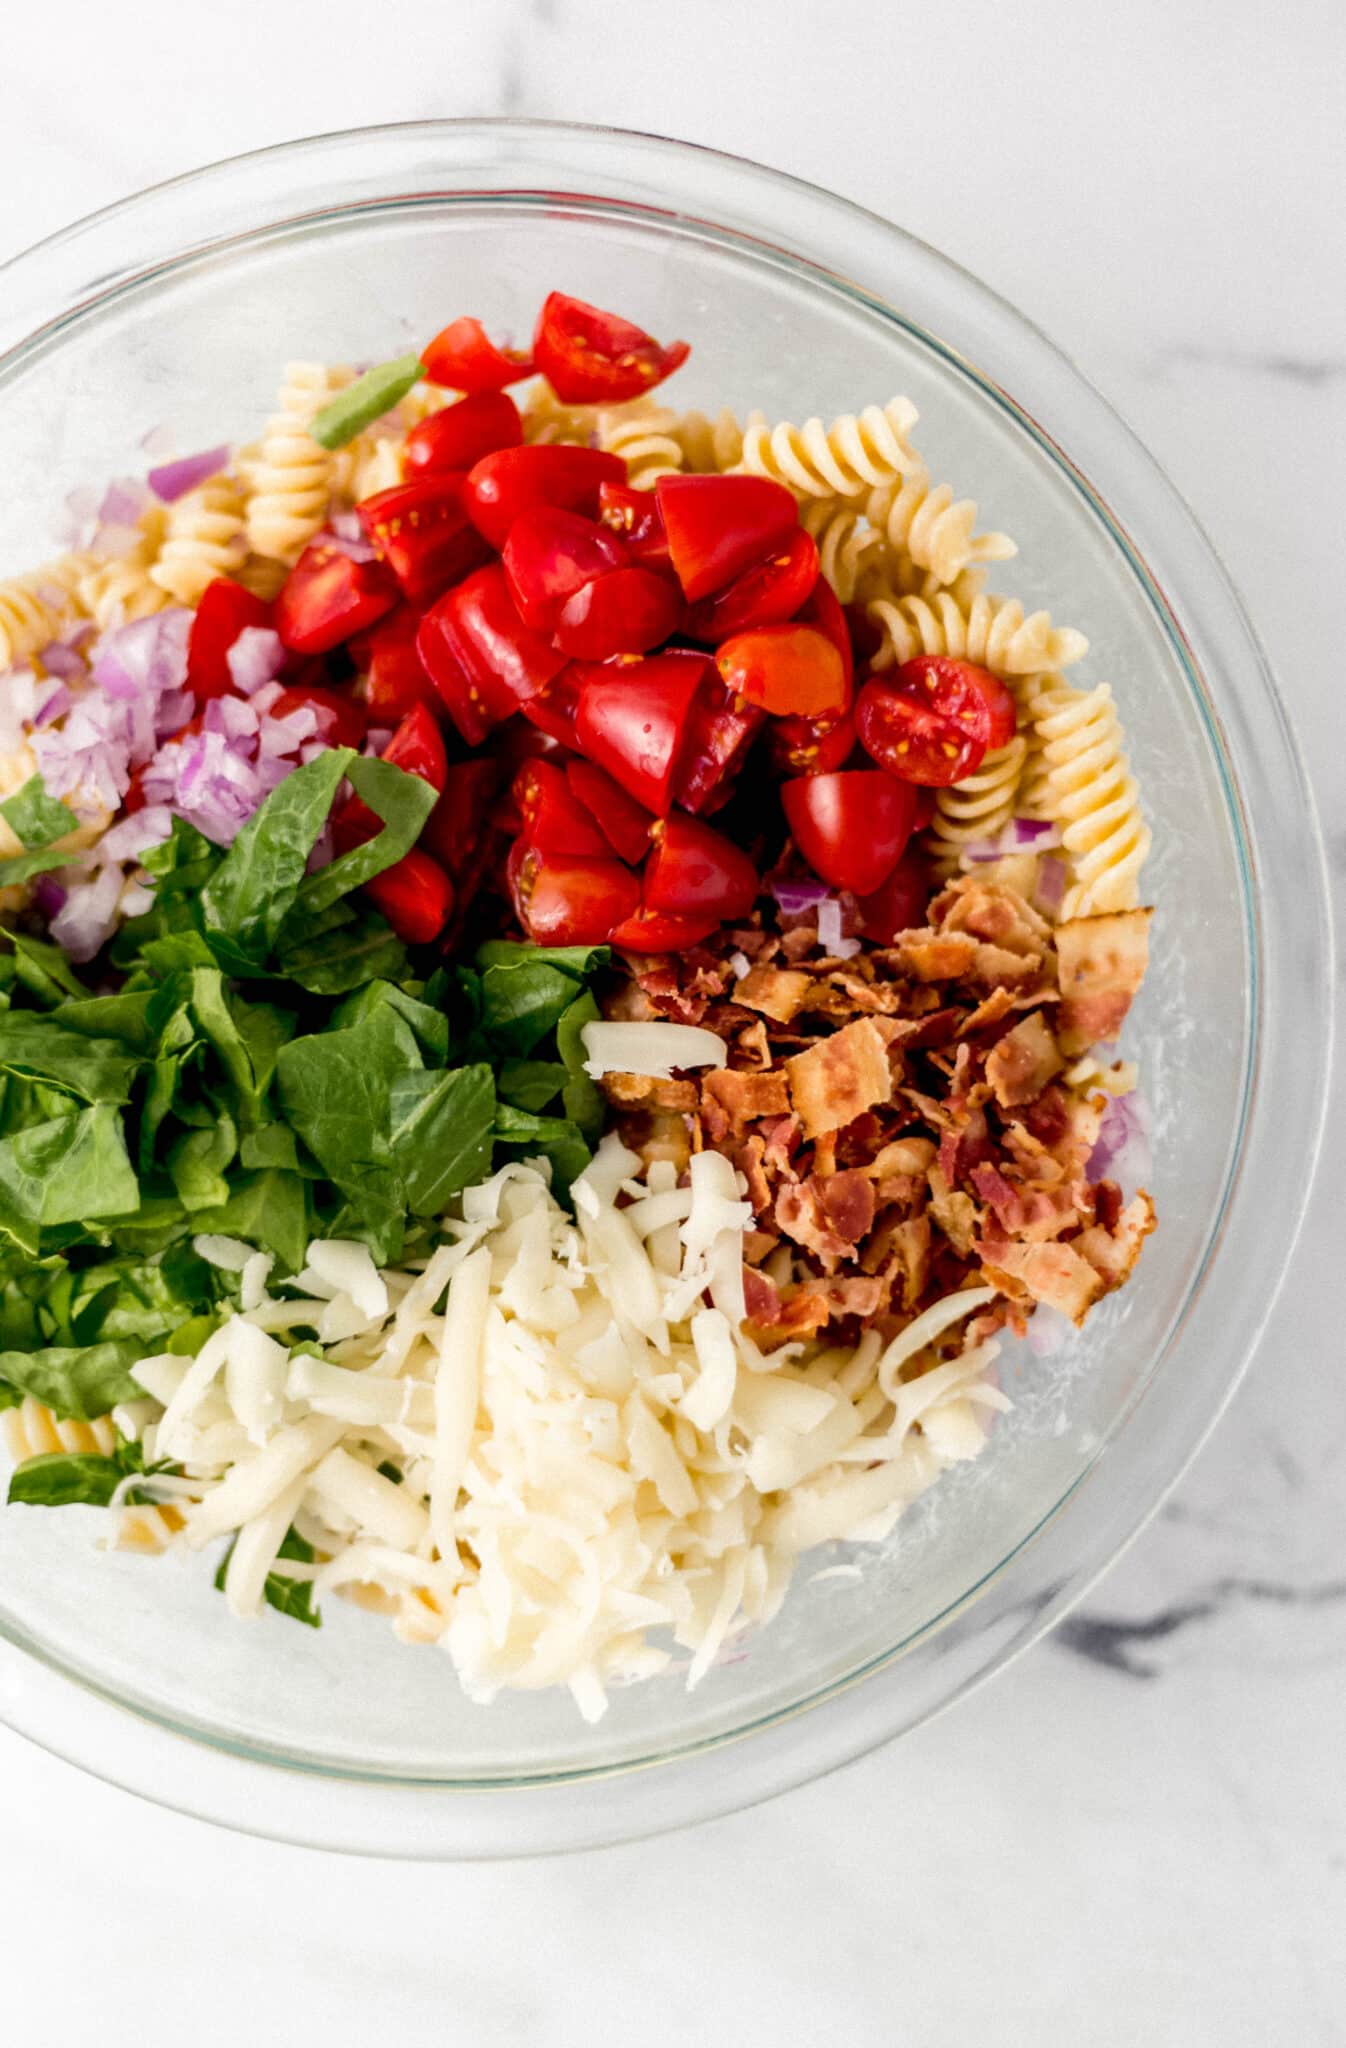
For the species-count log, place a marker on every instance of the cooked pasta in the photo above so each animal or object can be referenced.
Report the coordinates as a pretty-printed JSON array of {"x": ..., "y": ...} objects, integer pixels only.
[
  {"x": 850, "y": 550},
  {"x": 646, "y": 439},
  {"x": 709, "y": 444},
  {"x": 978, "y": 807},
  {"x": 291, "y": 478},
  {"x": 115, "y": 591},
  {"x": 372, "y": 463},
  {"x": 31, "y": 1430},
  {"x": 856, "y": 452},
  {"x": 204, "y": 538},
  {"x": 36, "y": 609},
  {"x": 547, "y": 421},
  {"x": 1118, "y": 1077},
  {"x": 148, "y": 1528},
  {"x": 1083, "y": 782},
  {"x": 992, "y": 630},
  {"x": 262, "y": 575},
  {"x": 934, "y": 530}
]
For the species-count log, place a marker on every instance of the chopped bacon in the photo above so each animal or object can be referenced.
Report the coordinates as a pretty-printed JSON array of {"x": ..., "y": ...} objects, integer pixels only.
[
  {"x": 748, "y": 1160},
  {"x": 1113, "y": 1253},
  {"x": 1020, "y": 1065},
  {"x": 1101, "y": 962},
  {"x": 848, "y": 1204},
  {"x": 799, "y": 1215},
  {"x": 732, "y": 1098},
  {"x": 839, "y": 1078},
  {"x": 1032, "y": 1214},
  {"x": 778, "y": 992},
  {"x": 648, "y": 1091},
  {"x": 1054, "y": 1273},
  {"x": 933, "y": 956}
]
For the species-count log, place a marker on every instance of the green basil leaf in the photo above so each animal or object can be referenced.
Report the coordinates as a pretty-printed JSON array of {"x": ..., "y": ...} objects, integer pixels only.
[
  {"x": 82, "y": 1382},
  {"x": 365, "y": 401},
  {"x": 43, "y": 970},
  {"x": 441, "y": 1133},
  {"x": 581, "y": 1096},
  {"x": 247, "y": 899},
  {"x": 38, "y": 1046},
  {"x": 69, "y": 1170},
  {"x": 270, "y": 1209},
  {"x": 293, "y": 1597},
  {"x": 21, "y": 867},
  {"x": 531, "y": 1084},
  {"x": 403, "y": 801},
  {"x": 555, "y": 1138},
  {"x": 36, "y": 818},
  {"x": 340, "y": 952}
]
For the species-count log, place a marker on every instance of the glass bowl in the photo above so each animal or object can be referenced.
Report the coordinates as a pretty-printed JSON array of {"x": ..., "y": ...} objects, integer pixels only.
[{"x": 180, "y": 306}]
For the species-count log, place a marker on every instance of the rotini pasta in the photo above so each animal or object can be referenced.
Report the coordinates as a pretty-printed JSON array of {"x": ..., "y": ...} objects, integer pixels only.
[
  {"x": 31, "y": 1430},
  {"x": 856, "y": 452},
  {"x": 850, "y": 552},
  {"x": 546, "y": 421},
  {"x": 372, "y": 463},
  {"x": 204, "y": 538},
  {"x": 645, "y": 437},
  {"x": 1083, "y": 782},
  {"x": 291, "y": 478},
  {"x": 708, "y": 444},
  {"x": 991, "y": 630},
  {"x": 978, "y": 807},
  {"x": 1091, "y": 1074},
  {"x": 931, "y": 528},
  {"x": 36, "y": 609}
]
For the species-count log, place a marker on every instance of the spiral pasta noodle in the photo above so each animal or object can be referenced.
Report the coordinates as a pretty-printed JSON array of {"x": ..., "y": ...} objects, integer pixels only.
[
  {"x": 988, "y": 629},
  {"x": 122, "y": 588},
  {"x": 547, "y": 422},
  {"x": 148, "y": 1528},
  {"x": 204, "y": 539},
  {"x": 978, "y": 807},
  {"x": 1082, "y": 780},
  {"x": 372, "y": 463},
  {"x": 856, "y": 452},
  {"x": 645, "y": 438},
  {"x": 291, "y": 478},
  {"x": 850, "y": 551},
  {"x": 936, "y": 532},
  {"x": 35, "y": 609},
  {"x": 709, "y": 445},
  {"x": 31, "y": 1430}
]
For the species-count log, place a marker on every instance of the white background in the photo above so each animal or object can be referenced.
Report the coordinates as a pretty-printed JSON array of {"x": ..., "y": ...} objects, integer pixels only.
[{"x": 1136, "y": 1835}]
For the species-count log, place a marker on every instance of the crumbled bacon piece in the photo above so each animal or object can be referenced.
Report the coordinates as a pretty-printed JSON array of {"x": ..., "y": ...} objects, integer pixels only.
[
  {"x": 1020, "y": 1065},
  {"x": 848, "y": 1203},
  {"x": 839, "y": 1078},
  {"x": 647, "y": 1091},
  {"x": 732, "y": 1098},
  {"x": 778, "y": 992},
  {"x": 1054, "y": 1273},
  {"x": 1101, "y": 962}
]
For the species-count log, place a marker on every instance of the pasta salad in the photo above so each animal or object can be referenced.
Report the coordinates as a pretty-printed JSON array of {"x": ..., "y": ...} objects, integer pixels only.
[{"x": 560, "y": 976}]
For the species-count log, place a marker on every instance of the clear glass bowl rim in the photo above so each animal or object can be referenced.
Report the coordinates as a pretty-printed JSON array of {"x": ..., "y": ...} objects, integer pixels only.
[{"x": 123, "y": 247}]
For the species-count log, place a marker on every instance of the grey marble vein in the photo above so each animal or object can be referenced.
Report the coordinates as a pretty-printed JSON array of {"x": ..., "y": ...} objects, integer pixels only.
[{"x": 1112, "y": 1643}]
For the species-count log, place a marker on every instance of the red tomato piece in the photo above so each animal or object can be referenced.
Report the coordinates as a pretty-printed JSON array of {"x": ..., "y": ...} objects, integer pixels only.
[
  {"x": 415, "y": 895},
  {"x": 423, "y": 533},
  {"x": 417, "y": 749},
  {"x": 463, "y": 358},
  {"x": 721, "y": 729},
  {"x": 900, "y": 730},
  {"x": 552, "y": 712},
  {"x": 635, "y": 518},
  {"x": 225, "y": 610},
  {"x": 564, "y": 900},
  {"x": 342, "y": 721},
  {"x": 622, "y": 821},
  {"x": 811, "y": 746},
  {"x": 792, "y": 671},
  {"x": 481, "y": 657},
  {"x": 550, "y": 555},
  {"x": 767, "y": 594},
  {"x": 551, "y": 817},
  {"x": 452, "y": 440},
  {"x": 454, "y": 829},
  {"x": 694, "y": 871},
  {"x": 972, "y": 697},
  {"x": 503, "y": 485},
  {"x": 628, "y": 611},
  {"x": 822, "y": 609},
  {"x": 592, "y": 357},
  {"x": 852, "y": 827},
  {"x": 717, "y": 526},
  {"x": 898, "y": 905},
  {"x": 633, "y": 720},
  {"x": 327, "y": 597},
  {"x": 654, "y": 931},
  {"x": 395, "y": 681}
]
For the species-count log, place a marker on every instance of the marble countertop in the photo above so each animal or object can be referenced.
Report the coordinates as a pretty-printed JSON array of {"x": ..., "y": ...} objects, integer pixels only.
[{"x": 1139, "y": 1831}]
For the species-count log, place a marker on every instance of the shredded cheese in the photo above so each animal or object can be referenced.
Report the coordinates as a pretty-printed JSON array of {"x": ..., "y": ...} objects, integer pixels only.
[{"x": 653, "y": 1049}]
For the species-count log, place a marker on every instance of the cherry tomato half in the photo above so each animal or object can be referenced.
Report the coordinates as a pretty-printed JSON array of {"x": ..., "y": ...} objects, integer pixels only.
[
  {"x": 417, "y": 748},
  {"x": 792, "y": 671},
  {"x": 225, "y": 610},
  {"x": 423, "y": 533},
  {"x": 811, "y": 746},
  {"x": 654, "y": 931},
  {"x": 633, "y": 720},
  {"x": 553, "y": 712},
  {"x": 459, "y": 435},
  {"x": 503, "y": 485},
  {"x": 717, "y": 526},
  {"x": 592, "y": 357},
  {"x": 481, "y": 657},
  {"x": 972, "y": 697},
  {"x": 628, "y": 611},
  {"x": 634, "y": 517},
  {"x": 694, "y": 871},
  {"x": 624, "y": 823},
  {"x": 551, "y": 816},
  {"x": 564, "y": 900},
  {"x": 766, "y": 595},
  {"x": 456, "y": 826},
  {"x": 720, "y": 730},
  {"x": 851, "y": 827},
  {"x": 395, "y": 681},
  {"x": 463, "y": 358},
  {"x": 898, "y": 905},
  {"x": 822, "y": 609},
  {"x": 900, "y": 730},
  {"x": 415, "y": 895},
  {"x": 342, "y": 721},
  {"x": 549, "y": 556},
  {"x": 327, "y": 597}
]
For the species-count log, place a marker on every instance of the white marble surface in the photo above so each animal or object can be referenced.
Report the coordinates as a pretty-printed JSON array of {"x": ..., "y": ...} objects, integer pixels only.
[{"x": 1137, "y": 1833}]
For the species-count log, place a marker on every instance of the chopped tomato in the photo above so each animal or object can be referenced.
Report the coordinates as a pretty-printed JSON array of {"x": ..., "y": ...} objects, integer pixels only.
[
  {"x": 454, "y": 829},
  {"x": 902, "y": 732},
  {"x": 423, "y": 533},
  {"x": 852, "y": 827},
  {"x": 628, "y": 611},
  {"x": 225, "y": 610},
  {"x": 503, "y": 485},
  {"x": 394, "y": 675},
  {"x": 694, "y": 871},
  {"x": 718, "y": 526},
  {"x": 720, "y": 730},
  {"x": 415, "y": 895},
  {"x": 417, "y": 749},
  {"x": 633, "y": 720},
  {"x": 462, "y": 358},
  {"x": 622, "y": 821},
  {"x": 565, "y": 900},
  {"x": 481, "y": 657},
  {"x": 327, "y": 597},
  {"x": 452, "y": 440},
  {"x": 551, "y": 816},
  {"x": 655, "y": 931},
  {"x": 553, "y": 711},
  {"x": 590, "y": 357},
  {"x": 898, "y": 905},
  {"x": 792, "y": 671},
  {"x": 821, "y": 609},
  {"x": 550, "y": 555},
  {"x": 972, "y": 697},
  {"x": 342, "y": 721},
  {"x": 767, "y": 594},
  {"x": 812, "y": 746},
  {"x": 635, "y": 518}
]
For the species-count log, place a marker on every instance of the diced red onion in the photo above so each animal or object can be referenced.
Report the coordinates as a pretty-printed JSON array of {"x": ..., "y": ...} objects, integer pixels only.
[
  {"x": 346, "y": 526},
  {"x": 1122, "y": 1151},
  {"x": 795, "y": 897},
  {"x": 134, "y": 835},
  {"x": 53, "y": 705},
  {"x": 1048, "y": 1330},
  {"x": 256, "y": 657},
  {"x": 113, "y": 543},
  {"x": 1020, "y": 835},
  {"x": 79, "y": 516},
  {"x": 160, "y": 441},
  {"x": 123, "y": 502},
  {"x": 356, "y": 549},
  {"x": 60, "y": 659},
  {"x": 376, "y": 739},
  {"x": 172, "y": 480},
  {"x": 86, "y": 920},
  {"x": 48, "y": 895},
  {"x": 1051, "y": 890}
]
